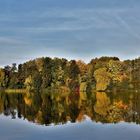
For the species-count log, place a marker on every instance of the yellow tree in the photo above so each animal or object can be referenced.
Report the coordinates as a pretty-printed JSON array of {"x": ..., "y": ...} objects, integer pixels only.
[
  {"x": 102, "y": 105},
  {"x": 102, "y": 78},
  {"x": 82, "y": 66},
  {"x": 117, "y": 70},
  {"x": 29, "y": 83},
  {"x": 2, "y": 78}
]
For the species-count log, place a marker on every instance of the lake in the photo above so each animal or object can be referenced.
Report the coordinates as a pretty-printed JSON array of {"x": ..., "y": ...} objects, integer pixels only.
[{"x": 72, "y": 116}]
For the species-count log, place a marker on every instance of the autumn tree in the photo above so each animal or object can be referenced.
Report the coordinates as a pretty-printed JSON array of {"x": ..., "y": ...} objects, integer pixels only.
[
  {"x": 102, "y": 79},
  {"x": 2, "y": 78},
  {"x": 117, "y": 70},
  {"x": 102, "y": 105}
]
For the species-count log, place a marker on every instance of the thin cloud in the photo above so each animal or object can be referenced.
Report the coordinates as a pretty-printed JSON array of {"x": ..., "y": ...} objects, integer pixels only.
[
  {"x": 78, "y": 32},
  {"x": 10, "y": 41},
  {"x": 127, "y": 26}
]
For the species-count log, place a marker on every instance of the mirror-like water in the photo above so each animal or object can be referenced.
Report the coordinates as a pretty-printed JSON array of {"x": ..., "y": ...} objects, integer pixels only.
[{"x": 58, "y": 115}]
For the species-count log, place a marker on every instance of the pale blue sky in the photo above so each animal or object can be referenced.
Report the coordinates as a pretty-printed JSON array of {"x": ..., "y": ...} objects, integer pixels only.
[{"x": 74, "y": 29}]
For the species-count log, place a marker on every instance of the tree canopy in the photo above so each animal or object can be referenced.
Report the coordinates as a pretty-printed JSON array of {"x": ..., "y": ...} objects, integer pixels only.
[{"x": 99, "y": 74}]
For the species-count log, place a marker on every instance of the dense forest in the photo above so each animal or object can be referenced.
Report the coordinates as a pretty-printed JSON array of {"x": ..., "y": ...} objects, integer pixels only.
[{"x": 100, "y": 74}]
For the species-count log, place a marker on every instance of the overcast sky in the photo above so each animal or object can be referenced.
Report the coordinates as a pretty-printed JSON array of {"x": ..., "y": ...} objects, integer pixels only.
[{"x": 74, "y": 29}]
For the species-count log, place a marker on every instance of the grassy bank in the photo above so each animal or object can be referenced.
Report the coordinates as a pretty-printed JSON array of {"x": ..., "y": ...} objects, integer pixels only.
[{"x": 15, "y": 90}]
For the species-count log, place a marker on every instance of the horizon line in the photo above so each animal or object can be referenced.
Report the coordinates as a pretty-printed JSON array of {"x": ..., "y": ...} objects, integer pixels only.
[{"x": 69, "y": 59}]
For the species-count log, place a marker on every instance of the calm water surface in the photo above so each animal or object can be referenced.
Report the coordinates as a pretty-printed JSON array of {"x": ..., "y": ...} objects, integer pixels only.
[{"x": 70, "y": 116}]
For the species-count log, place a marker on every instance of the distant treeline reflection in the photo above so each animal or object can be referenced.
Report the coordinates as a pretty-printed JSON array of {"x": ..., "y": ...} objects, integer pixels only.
[{"x": 60, "y": 107}]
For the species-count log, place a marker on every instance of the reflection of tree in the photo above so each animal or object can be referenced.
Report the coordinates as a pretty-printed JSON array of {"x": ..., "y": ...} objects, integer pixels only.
[
  {"x": 59, "y": 107},
  {"x": 102, "y": 105},
  {"x": 8, "y": 104},
  {"x": 82, "y": 98},
  {"x": 118, "y": 112},
  {"x": 1, "y": 104},
  {"x": 28, "y": 99}
]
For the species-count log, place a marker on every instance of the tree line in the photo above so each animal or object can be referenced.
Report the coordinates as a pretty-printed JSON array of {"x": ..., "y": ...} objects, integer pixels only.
[{"x": 99, "y": 74}]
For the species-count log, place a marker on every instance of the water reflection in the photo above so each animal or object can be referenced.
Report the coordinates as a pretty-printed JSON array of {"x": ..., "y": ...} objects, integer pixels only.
[{"x": 58, "y": 108}]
